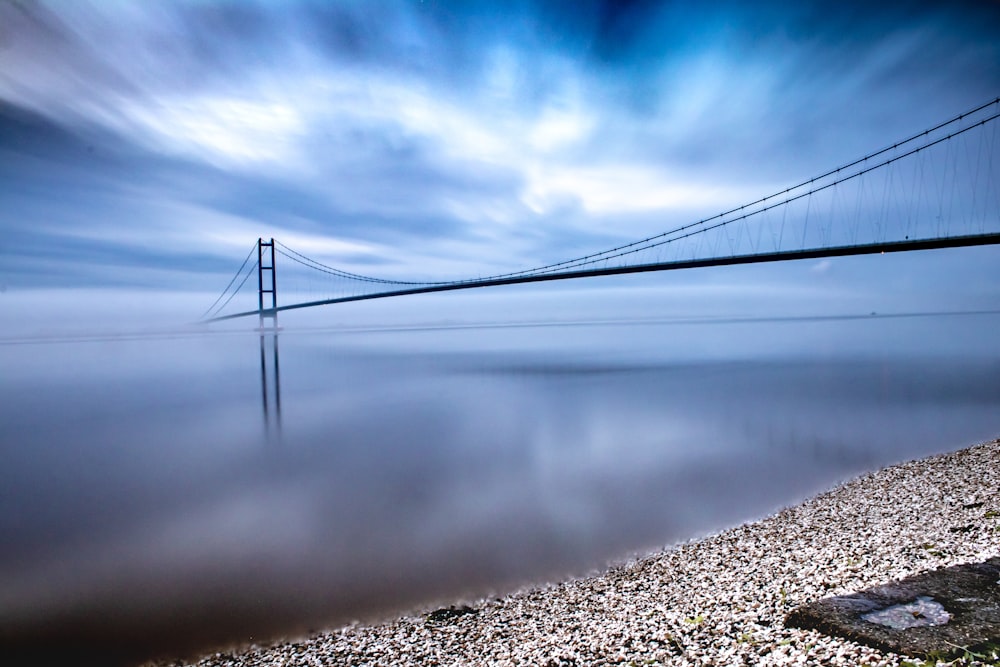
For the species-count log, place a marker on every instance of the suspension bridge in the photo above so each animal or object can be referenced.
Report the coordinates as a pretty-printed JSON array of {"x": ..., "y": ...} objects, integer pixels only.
[{"x": 939, "y": 188}]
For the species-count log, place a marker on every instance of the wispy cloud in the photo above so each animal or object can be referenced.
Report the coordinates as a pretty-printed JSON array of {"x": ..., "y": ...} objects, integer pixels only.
[{"x": 517, "y": 134}]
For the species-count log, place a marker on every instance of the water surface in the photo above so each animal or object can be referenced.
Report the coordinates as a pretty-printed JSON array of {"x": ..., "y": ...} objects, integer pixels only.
[{"x": 164, "y": 491}]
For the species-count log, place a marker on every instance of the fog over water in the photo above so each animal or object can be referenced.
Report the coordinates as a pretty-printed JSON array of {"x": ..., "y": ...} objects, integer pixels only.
[{"x": 169, "y": 492}]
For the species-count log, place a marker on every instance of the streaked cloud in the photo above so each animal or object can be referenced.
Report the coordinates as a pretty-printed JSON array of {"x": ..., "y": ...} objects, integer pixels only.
[{"x": 511, "y": 134}]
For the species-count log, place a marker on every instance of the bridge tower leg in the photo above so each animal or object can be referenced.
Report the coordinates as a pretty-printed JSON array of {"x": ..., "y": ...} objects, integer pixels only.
[{"x": 267, "y": 282}]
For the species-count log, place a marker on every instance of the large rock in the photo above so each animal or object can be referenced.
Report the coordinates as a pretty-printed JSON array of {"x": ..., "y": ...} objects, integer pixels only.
[{"x": 930, "y": 614}]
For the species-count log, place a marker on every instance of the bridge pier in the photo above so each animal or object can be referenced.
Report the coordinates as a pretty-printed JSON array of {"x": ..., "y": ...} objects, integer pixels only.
[{"x": 267, "y": 283}]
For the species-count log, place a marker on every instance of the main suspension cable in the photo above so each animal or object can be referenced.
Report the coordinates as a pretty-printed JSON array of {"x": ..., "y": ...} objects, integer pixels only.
[
  {"x": 599, "y": 256},
  {"x": 235, "y": 276},
  {"x": 242, "y": 283}
]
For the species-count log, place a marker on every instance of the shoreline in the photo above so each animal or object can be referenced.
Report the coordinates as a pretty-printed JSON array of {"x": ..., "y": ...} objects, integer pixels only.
[{"x": 718, "y": 600}]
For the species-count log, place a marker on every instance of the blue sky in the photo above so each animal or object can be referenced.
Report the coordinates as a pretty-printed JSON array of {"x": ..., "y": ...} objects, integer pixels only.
[{"x": 146, "y": 145}]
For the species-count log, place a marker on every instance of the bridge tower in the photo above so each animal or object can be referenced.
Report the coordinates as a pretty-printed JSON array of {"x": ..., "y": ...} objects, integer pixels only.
[{"x": 267, "y": 282}]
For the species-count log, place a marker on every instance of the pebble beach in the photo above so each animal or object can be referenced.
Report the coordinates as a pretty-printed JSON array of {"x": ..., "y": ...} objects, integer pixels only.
[{"x": 721, "y": 600}]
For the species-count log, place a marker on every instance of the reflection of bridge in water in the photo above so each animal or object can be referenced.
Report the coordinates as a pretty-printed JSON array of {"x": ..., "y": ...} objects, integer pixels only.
[
  {"x": 937, "y": 189},
  {"x": 270, "y": 383}
]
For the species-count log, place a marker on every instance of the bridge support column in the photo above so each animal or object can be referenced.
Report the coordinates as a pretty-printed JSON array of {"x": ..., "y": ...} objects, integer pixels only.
[{"x": 267, "y": 282}]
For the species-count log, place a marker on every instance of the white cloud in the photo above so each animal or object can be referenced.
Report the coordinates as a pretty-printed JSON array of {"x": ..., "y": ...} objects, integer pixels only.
[
  {"x": 229, "y": 131},
  {"x": 559, "y": 129},
  {"x": 326, "y": 246},
  {"x": 628, "y": 188}
]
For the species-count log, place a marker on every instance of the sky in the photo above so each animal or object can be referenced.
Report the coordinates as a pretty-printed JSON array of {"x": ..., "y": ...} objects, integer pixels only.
[{"x": 144, "y": 146}]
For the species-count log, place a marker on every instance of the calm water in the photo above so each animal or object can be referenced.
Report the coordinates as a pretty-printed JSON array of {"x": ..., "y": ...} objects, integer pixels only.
[{"x": 159, "y": 492}]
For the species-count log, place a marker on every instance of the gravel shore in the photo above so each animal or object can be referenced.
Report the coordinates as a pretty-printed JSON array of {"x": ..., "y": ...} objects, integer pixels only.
[{"x": 716, "y": 601}]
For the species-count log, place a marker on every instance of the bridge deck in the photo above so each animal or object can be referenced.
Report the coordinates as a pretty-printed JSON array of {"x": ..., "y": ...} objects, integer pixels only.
[{"x": 755, "y": 258}]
